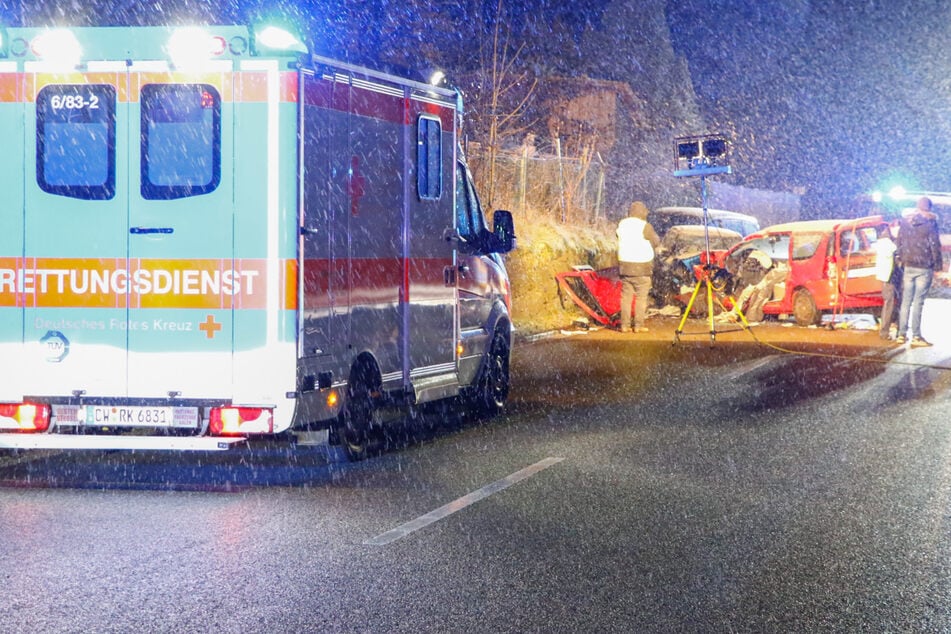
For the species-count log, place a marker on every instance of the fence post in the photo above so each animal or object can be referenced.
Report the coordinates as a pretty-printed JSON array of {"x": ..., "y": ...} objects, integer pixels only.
[
  {"x": 523, "y": 181},
  {"x": 561, "y": 180},
  {"x": 600, "y": 194}
]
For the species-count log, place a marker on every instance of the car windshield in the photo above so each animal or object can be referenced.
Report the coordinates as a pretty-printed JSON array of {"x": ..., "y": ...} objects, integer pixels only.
[
  {"x": 687, "y": 241},
  {"x": 742, "y": 227},
  {"x": 776, "y": 246}
]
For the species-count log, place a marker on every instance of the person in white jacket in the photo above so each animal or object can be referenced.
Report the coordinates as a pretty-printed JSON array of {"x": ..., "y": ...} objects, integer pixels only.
[
  {"x": 889, "y": 274},
  {"x": 637, "y": 241}
]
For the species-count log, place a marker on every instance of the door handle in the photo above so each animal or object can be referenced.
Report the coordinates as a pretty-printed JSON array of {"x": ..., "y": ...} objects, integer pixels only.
[{"x": 145, "y": 230}]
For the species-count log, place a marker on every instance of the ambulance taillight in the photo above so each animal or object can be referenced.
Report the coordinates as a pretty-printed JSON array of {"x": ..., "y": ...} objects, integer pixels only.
[
  {"x": 238, "y": 421},
  {"x": 24, "y": 417}
]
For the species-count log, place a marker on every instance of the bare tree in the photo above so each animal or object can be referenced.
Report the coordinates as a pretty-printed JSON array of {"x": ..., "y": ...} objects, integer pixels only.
[
  {"x": 578, "y": 166},
  {"x": 503, "y": 90}
]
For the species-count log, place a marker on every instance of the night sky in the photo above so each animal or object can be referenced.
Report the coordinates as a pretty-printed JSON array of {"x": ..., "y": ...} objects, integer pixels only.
[
  {"x": 838, "y": 96},
  {"x": 827, "y": 98}
]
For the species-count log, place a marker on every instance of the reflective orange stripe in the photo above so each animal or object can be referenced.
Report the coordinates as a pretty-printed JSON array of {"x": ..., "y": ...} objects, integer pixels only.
[
  {"x": 142, "y": 283},
  {"x": 249, "y": 86}
]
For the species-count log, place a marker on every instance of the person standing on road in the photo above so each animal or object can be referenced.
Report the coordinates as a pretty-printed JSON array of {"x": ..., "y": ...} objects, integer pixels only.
[
  {"x": 637, "y": 241},
  {"x": 919, "y": 251},
  {"x": 889, "y": 273}
]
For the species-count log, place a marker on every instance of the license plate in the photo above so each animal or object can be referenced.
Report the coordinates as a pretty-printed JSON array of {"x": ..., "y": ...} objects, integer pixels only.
[{"x": 137, "y": 416}]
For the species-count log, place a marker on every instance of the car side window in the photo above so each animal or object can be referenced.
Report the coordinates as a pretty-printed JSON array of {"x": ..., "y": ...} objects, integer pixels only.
[
  {"x": 857, "y": 241},
  {"x": 848, "y": 243},
  {"x": 868, "y": 236},
  {"x": 470, "y": 223},
  {"x": 777, "y": 247},
  {"x": 463, "y": 216},
  {"x": 805, "y": 245}
]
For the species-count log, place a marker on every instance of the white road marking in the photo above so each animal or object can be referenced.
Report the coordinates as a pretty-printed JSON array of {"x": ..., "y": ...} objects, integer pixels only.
[
  {"x": 460, "y": 503},
  {"x": 750, "y": 366}
]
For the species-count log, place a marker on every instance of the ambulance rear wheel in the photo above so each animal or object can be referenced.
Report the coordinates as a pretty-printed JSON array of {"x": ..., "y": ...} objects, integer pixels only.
[
  {"x": 354, "y": 429},
  {"x": 493, "y": 388}
]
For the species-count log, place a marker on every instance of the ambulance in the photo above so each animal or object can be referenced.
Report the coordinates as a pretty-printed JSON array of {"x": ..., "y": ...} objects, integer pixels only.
[{"x": 210, "y": 235}]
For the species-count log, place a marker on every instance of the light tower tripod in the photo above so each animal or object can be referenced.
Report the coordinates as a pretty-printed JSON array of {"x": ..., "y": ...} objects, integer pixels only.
[{"x": 702, "y": 155}]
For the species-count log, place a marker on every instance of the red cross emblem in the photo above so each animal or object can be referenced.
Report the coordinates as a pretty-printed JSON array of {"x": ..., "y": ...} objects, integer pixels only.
[{"x": 210, "y": 326}]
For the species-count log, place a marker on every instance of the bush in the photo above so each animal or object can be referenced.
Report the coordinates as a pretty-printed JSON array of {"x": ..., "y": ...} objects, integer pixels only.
[{"x": 546, "y": 247}]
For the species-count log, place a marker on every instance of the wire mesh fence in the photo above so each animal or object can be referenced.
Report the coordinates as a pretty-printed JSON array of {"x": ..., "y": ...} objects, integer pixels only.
[{"x": 565, "y": 189}]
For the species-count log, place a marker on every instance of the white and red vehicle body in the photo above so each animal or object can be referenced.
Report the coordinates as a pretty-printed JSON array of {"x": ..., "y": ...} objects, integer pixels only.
[{"x": 250, "y": 242}]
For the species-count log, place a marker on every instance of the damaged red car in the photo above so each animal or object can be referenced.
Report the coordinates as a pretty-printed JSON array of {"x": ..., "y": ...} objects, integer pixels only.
[{"x": 830, "y": 267}]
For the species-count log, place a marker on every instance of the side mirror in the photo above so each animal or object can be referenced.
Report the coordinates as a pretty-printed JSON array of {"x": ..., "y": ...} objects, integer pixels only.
[{"x": 503, "y": 231}]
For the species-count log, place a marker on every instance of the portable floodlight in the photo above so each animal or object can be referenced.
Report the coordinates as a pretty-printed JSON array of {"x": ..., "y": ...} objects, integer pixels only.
[{"x": 701, "y": 155}]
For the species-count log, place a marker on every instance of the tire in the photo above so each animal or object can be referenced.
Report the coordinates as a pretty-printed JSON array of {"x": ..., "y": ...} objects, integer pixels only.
[
  {"x": 492, "y": 389},
  {"x": 804, "y": 308},
  {"x": 354, "y": 428}
]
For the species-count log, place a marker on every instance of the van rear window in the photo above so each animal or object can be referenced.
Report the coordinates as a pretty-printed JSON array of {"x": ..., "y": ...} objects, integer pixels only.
[
  {"x": 181, "y": 140},
  {"x": 76, "y": 140},
  {"x": 429, "y": 158}
]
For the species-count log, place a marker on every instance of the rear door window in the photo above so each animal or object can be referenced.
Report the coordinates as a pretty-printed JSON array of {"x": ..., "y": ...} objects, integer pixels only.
[
  {"x": 76, "y": 141},
  {"x": 181, "y": 140},
  {"x": 858, "y": 241}
]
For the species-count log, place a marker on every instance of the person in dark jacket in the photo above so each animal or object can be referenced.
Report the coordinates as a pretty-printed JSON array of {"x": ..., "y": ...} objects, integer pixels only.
[{"x": 919, "y": 252}]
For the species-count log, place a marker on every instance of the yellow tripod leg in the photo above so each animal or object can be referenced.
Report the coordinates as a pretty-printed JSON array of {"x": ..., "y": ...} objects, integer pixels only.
[
  {"x": 683, "y": 320},
  {"x": 739, "y": 312}
]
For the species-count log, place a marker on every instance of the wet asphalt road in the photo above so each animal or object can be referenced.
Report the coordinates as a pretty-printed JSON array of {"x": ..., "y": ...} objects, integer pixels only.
[{"x": 633, "y": 486}]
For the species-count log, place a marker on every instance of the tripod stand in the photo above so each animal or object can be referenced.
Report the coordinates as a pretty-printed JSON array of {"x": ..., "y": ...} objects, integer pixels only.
[
  {"x": 706, "y": 281},
  {"x": 703, "y": 156},
  {"x": 709, "y": 270}
]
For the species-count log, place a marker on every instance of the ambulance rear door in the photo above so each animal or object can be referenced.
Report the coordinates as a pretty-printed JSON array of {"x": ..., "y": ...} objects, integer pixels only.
[
  {"x": 75, "y": 235},
  {"x": 181, "y": 255},
  {"x": 129, "y": 276}
]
